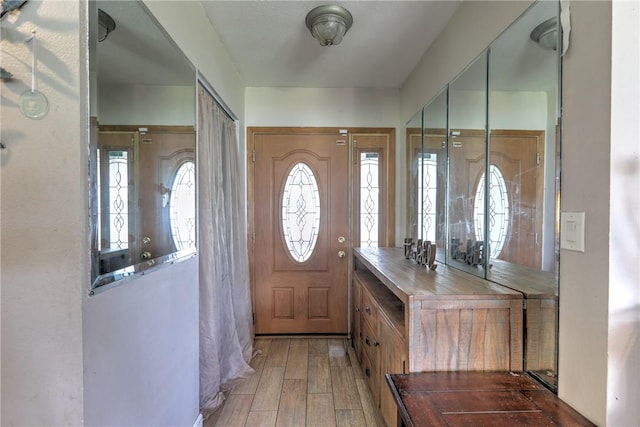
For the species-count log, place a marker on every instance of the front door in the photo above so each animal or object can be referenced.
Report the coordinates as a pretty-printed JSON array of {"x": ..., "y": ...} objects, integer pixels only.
[
  {"x": 515, "y": 157},
  {"x": 301, "y": 224}
]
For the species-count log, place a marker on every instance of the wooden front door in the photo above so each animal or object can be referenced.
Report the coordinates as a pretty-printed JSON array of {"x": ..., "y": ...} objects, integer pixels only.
[
  {"x": 519, "y": 156},
  {"x": 516, "y": 155},
  {"x": 161, "y": 155},
  {"x": 301, "y": 225}
]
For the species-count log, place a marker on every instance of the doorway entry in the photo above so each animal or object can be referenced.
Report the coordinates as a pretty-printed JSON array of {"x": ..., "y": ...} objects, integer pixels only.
[{"x": 301, "y": 202}]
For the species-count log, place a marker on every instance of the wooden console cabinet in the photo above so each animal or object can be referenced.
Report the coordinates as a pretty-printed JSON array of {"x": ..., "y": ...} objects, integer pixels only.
[{"x": 408, "y": 319}]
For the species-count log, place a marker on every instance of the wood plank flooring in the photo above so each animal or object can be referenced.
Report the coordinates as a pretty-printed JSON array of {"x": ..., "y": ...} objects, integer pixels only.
[{"x": 300, "y": 382}]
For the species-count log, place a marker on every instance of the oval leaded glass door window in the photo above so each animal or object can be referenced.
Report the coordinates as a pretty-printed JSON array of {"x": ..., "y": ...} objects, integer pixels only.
[
  {"x": 300, "y": 212},
  {"x": 498, "y": 211},
  {"x": 182, "y": 207}
]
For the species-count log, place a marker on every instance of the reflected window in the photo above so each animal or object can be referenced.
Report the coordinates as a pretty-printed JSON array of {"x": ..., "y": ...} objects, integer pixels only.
[
  {"x": 498, "y": 210},
  {"x": 116, "y": 232},
  {"x": 301, "y": 212},
  {"x": 369, "y": 199},
  {"x": 182, "y": 207},
  {"x": 428, "y": 190}
]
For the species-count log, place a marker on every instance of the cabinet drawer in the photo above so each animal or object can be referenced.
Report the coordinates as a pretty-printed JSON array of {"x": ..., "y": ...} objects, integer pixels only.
[
  {"x": 371, "y": 376},
  {"x": 369, "y": 344},
  {"x": 369, "y": 308}
]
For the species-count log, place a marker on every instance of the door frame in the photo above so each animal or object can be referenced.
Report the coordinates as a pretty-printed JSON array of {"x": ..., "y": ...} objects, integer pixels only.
[{"x": 348, "y": 133}]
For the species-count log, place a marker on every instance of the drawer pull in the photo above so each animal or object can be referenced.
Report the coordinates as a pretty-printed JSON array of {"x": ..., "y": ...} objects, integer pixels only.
[
  {"x": 367, "y": 341},
  {"x": 376, "y": 344},
  {"x": 368, "y": 310},
  {"x": 367, "y": 372}
]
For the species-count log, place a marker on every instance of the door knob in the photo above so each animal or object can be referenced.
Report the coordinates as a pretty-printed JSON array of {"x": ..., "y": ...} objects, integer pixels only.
[
  {"x": 341, "y": 240},
  {"x": 146, "y": 255},
  {"x": 342, "y": 254}
]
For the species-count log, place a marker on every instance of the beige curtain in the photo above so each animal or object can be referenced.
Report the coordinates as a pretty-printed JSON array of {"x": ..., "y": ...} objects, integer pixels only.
[{"x": 225, "y": 303}]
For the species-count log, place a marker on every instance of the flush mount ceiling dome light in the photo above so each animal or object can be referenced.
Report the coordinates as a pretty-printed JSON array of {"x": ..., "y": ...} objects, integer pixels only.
[
  {"x": 106, "y": 24},
  {"x": 329, "y": 23},
  {"x": 546, "y": 34}
]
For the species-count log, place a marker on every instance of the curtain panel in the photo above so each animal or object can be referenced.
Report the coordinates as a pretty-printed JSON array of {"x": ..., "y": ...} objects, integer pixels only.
[{"x": 226, "y": 321}]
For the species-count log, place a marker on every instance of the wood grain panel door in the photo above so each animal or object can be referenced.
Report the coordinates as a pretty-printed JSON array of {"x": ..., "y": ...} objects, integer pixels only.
[
  {"x": 517, "y": 154},
  {"x": 300, "y": 212},
  {"x": 161, "y": 154}
]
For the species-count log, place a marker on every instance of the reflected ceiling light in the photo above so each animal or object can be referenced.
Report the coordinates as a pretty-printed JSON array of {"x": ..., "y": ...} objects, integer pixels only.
[
  {"x": 106, "y": 24},
  {"x": 546, "y": 34},
  {"x": 329, "y": 23}
]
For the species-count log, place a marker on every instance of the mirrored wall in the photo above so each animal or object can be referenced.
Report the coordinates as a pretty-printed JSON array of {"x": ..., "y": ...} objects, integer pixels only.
[
  {"x": 484, "y": 183},
  {"x": 143, "y": 144}
]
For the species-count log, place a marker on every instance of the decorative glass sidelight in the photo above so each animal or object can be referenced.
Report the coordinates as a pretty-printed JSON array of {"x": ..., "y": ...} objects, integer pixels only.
[
  {"x": 182, "y": 207},
  {"x": 301, "y": 212},
  {"x": 118, "y": 199},
  {"x": 369, "y": 200},
  {"x": 428, "y": 188},
  {"x": 498, "y": 210}
]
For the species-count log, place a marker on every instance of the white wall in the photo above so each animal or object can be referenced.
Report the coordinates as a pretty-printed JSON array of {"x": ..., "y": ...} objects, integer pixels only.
[
  {"x": 584, "y": 277},
  {"x": 623, "y": 381},
  {"x": 141, "y": 350},
  {"x": 146, "y": 105},
  {"x": 43, "y": 200},
  {"x": 321, "y": 107}
]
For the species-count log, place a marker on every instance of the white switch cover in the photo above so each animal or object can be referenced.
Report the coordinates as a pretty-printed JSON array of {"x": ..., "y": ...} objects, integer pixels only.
[{"x": 572, "y": 231}]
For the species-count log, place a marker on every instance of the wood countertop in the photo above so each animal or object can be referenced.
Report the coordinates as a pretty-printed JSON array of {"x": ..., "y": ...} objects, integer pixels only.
[{"x": 407, "y": 280}]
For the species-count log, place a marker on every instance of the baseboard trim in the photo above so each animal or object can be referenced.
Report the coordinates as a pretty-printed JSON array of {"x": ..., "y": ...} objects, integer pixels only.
[{"x": 199, "y": 421}]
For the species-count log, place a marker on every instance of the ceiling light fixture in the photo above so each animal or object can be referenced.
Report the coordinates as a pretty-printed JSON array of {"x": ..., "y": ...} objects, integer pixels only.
[
  {"x": 329, "y": 23},
  {"x": 546, "y": 34},
  {"x": 106, "y": 24}
]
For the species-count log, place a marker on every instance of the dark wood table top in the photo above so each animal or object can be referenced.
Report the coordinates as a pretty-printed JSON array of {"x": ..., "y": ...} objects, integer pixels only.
[{"x": 478, "y": 399}]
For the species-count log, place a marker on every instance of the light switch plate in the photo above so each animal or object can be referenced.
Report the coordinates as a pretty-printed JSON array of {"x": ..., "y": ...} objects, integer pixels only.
[{"x": 572, "y": 231}]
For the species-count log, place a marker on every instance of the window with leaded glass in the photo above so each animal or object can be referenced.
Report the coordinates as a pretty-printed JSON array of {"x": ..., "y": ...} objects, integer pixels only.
[
  {"x": 301, "y": 212},
  {"x": 427, "y": 194},
  {"x": 369, "y": 199},
  {"x": 498, "y": 210},
  {"x": 182, "y": 207}
]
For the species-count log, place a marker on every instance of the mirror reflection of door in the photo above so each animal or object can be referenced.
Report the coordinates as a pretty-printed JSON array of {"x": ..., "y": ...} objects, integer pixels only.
[
  {"x": 117, "y": 193},
  {"x": 514, "y": 203},
  {"x": 161, "y": 156},
  {"x": 147, "y": 196},
  {"x": 515, "y": 232}
]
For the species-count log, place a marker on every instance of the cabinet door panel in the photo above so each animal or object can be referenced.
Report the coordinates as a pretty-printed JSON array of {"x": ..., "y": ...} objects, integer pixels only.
[
  {"x": 392, "y": 361},
  {"x": 356, "y": 310}
]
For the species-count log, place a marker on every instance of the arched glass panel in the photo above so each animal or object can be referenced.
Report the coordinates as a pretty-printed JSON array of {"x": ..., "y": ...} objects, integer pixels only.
[
  {"x": 300, "y": 212},
  {"x": 498, "y": 211},
  {"x": 182, "y": 207}
]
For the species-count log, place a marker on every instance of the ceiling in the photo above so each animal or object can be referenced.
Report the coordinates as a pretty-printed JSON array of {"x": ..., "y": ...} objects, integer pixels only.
[{"x": 270, "y": 45}]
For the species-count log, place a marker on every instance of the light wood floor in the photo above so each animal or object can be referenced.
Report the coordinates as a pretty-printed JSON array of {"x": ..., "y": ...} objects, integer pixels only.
[{"x": 300, "y": 382}]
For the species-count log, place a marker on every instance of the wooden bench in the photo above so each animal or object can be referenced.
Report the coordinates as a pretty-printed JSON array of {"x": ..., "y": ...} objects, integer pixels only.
[{"x": 478, "y": 399}]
